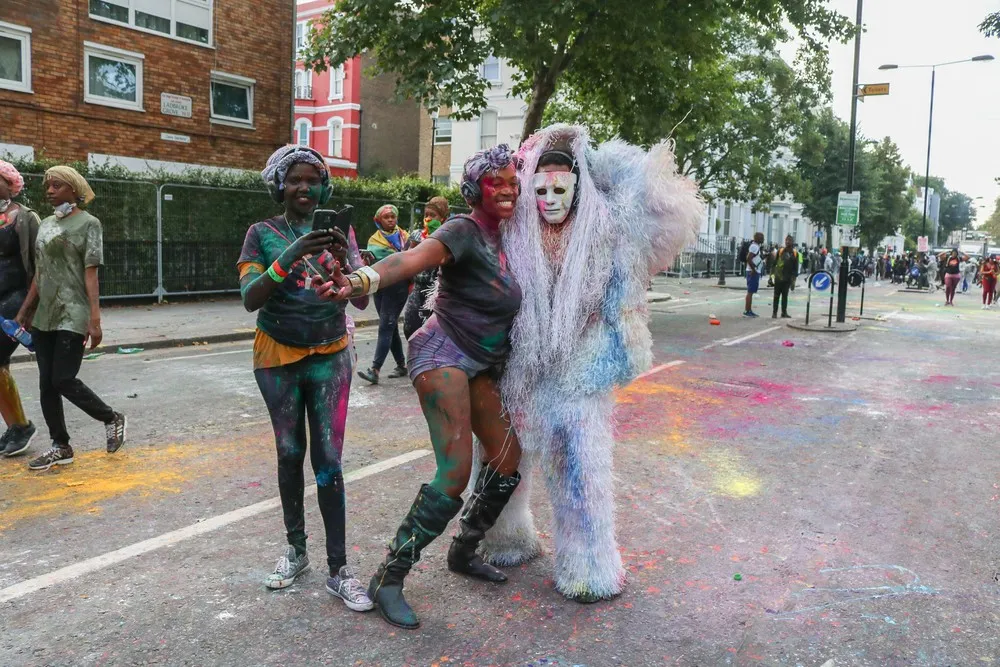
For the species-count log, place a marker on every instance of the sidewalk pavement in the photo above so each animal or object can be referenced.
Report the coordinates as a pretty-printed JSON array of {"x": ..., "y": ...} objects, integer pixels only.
[{"x": 218, "y": 320}]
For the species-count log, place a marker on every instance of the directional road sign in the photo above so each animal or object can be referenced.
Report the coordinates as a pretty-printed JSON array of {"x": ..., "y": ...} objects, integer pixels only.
[
  {"x": 848, "y": 205},
  {"x": 873, "y": 89},
  {"x": 821, "y": 281}
]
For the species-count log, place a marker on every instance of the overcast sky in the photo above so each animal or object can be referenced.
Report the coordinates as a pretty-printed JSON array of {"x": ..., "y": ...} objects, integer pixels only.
[{"x": 965, "y": 150}]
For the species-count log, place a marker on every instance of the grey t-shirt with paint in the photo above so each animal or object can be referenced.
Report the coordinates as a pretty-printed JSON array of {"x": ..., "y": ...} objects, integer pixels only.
[
  {"x": 64, "y": 249},
  {"x": 477, "y": 296}
]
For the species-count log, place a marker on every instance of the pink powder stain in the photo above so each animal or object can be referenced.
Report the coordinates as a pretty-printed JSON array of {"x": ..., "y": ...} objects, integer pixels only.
[{"x": 940, "y": 379}]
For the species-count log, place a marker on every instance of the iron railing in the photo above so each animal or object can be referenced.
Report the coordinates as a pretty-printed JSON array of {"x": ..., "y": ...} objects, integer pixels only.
[{"x": 176, "y": 239}]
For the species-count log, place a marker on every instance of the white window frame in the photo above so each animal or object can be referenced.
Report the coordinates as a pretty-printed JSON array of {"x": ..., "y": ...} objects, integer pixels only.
[
  {"x": 111, "y": 53},
  {"x": 239, "y": 82},
  {"x": 305, "y": 36},
  {"x": 496, "y": 134},
  {"x": 438, "y": 141},
  {"x": 332, "y": 126},
  {"x": 300, "y": 123},
  {"x": 482, "y": 70},
  {"x": 337, "y": 75},
  {"x": 173, "y": 22},
  {"x": 23, "y": 35}
]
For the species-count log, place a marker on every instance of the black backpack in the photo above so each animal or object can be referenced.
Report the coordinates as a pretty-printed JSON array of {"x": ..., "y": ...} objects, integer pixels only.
[{"x": 744, "y": 251}]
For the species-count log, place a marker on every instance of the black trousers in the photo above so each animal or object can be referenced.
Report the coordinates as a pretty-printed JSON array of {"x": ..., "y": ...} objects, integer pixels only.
[
  {"x": 59, "y": 355},
  {"x": 781, "y": 291},
  {"x": 389, "y": 305}
]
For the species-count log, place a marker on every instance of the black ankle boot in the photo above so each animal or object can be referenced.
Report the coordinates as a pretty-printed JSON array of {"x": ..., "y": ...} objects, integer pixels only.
[
  {"x": 428, "y": 517},
  {"x": 491, "y": 494}
]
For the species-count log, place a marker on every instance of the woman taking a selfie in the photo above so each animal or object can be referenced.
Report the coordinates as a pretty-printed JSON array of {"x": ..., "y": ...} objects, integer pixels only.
[
  {"x": 63, "y": 310},
  {"x": 301, "y": 358},
  {"x": 454, "y": 364}
]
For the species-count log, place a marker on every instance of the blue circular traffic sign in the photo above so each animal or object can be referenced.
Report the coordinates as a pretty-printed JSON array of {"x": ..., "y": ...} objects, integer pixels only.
[{"x": 821, "y": 281}]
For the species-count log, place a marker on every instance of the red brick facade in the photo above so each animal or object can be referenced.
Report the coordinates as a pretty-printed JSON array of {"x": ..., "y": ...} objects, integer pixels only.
[{"x": 55, "y": 120}]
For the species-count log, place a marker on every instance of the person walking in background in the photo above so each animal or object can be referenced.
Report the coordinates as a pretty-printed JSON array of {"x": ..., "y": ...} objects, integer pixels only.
[
  {"x": 387, "y": 240},
  {"x": 18, "y": 232},
  {"x": 786, "y": 268},
  {"x": 968, "y": 274},
  {"x": 63, "y": 310},
  {"x": 301, "y": 358},
  {"x": 988, "y": 278},
  {"x": 755, "y": 264},
  {"x": 952, "y": 263},
  {"x": 415, "y": 313}
]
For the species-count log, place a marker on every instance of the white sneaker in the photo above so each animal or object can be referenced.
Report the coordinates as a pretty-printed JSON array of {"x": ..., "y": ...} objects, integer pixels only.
[
  {"x": 289, "y": 566},
  {"x": 347, "y": 587}
]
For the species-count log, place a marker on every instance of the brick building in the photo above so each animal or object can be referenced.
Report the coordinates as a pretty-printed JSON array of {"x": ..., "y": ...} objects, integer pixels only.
[
  {"x": 353, "y": 119},
  {"x": 146, "y": 83}
]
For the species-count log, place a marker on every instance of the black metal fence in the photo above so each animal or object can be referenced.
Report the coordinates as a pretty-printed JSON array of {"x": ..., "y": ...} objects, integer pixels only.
[
  {"x": 708, "y": 255},
  {"x": 176, "y": 239}
]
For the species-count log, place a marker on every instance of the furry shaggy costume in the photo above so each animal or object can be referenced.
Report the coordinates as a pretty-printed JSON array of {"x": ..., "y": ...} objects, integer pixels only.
[{"x": 583, "y": 330}]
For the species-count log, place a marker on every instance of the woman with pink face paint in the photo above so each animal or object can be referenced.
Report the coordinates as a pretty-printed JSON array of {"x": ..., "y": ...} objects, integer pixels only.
[{"x": 454, "y": 363}]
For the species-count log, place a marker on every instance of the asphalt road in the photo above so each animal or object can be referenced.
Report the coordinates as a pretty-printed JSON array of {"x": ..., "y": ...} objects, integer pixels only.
[{"x": 849, "y": 479}]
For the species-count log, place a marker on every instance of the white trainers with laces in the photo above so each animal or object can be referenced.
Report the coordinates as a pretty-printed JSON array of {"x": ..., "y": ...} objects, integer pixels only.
[
  {"x": 289, "y": 566},
  {"x": 347, "y": 587}
]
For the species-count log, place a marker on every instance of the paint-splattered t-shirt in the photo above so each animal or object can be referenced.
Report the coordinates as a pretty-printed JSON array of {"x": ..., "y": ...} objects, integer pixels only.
[
  {"x": 477, "y": 296},
  {"x": 294, "y": 315},
  {"x": 64, "y": 249}
]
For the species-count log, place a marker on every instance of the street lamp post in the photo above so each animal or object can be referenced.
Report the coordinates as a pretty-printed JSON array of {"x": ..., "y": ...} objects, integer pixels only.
[{"x": 930, "y": 121}]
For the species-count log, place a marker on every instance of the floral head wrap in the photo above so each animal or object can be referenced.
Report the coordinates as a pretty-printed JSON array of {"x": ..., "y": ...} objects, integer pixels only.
[{"x": 9, "y": 173}]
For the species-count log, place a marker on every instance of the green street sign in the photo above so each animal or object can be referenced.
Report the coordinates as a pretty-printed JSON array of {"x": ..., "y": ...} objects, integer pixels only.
[{"x": 848, "y": 206}]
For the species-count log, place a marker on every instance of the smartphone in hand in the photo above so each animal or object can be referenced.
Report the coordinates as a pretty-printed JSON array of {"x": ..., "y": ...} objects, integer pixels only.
[{"x": 330, "y": 219}]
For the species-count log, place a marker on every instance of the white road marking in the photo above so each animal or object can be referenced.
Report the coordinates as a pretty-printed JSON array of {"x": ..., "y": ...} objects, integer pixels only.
[
  {"x": 702, "y": 303},
  {"x": 103, "y": 561},
  {"x": 199, "y": 356},
  {"x": 736, "y": 341},
  {"x": 663, "y": 367},
  {"x": 890, "y": 315},
  {"x": 726, "y": 342}
]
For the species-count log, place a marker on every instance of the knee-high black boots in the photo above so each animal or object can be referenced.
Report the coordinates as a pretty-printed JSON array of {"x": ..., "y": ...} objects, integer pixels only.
[
  {"x": 428, "y": 517},
  {"x": 490, "y": 496}
]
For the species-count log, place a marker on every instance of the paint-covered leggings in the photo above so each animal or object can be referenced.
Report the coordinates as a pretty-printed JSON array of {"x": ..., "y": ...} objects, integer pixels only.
[
  {"x": 317, "y": 387},
  {"x": 951, "y": 281}
]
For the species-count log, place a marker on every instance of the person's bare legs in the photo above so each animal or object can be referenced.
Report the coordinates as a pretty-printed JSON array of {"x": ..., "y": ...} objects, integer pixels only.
[
  {"x": 495, "y": 483},
  {"x": 444, "y": 399}
]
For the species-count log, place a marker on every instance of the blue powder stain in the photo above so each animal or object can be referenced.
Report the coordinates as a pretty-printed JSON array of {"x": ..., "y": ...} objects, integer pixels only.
[{"x": 325, "y": 476}]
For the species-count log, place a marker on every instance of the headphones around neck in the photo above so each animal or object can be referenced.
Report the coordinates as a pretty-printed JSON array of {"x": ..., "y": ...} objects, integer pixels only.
[{"x": 276, "y": 188}]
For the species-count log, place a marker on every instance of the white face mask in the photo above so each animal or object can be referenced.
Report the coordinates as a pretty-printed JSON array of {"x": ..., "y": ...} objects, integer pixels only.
[
  {"x": 63, "y": 210},
  {"x": 554, "y": 195}
]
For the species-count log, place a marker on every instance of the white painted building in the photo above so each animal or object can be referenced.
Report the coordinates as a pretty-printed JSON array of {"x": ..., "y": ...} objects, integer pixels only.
[
  {"x": 733, "y": 218},
  {"x": 500, "y": 122}
]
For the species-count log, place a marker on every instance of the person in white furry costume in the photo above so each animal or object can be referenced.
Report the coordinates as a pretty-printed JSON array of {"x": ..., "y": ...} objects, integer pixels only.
[{"x": 583, "y": 260}]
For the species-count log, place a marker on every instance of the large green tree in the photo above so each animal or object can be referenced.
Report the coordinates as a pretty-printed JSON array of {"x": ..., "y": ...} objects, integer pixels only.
[
  {"x": 991, "y": 25},
  {"x": 435, "y": 48},
  {"x": 893, "y": 197},
  {"x": 733, "y": 118},
  {"x": 992, "y": 224},
  {"x": 820, "y": 174}
]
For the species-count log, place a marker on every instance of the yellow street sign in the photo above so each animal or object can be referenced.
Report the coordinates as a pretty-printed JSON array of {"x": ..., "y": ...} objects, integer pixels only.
[{"x": 873, "y": 89}]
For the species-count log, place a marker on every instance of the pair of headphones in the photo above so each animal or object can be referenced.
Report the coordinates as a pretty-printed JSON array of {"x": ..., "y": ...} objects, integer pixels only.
[
  {"x": 472, "y": 193},
  {"x": 276, "y": 188}
]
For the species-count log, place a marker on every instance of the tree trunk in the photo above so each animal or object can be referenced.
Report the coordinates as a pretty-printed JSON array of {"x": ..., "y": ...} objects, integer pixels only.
[{"x": 541, "y": 92}]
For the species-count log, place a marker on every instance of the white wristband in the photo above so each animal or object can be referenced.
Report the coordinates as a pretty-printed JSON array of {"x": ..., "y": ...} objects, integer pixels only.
[{"x": 373, "y": 277}]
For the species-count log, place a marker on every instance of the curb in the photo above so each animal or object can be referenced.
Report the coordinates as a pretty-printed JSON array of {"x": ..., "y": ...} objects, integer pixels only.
[
  {"x": 838, "y": 327},
  {"x": 232, "y": 337}
]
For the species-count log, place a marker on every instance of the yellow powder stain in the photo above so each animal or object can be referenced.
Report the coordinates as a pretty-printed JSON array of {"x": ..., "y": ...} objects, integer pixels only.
[
  {"x": 95, "y": 477},
  {"x": 729, "y": 474}
]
